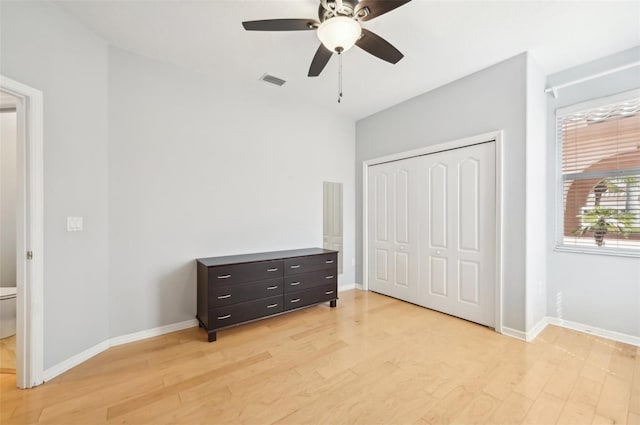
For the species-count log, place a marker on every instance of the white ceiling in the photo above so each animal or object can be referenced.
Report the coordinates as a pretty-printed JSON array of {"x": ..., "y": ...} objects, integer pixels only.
[{"x": 441, "y": 40}]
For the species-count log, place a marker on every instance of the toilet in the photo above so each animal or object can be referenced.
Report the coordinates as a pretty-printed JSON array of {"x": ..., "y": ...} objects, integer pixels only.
[{"x": 7, "y": 311}]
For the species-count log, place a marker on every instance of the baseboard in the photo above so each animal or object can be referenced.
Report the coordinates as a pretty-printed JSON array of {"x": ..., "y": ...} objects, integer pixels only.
[
  {"x": 150, "y": 333},
  {"x": 514, "y": 333},
  {"x": 74, "y": 361},
  {"x": 592, "y": 330},
  {"x": 82, "y": 357},
  {"x": 349, "y": 287},
  {"x": 580, "y": 327},
  {"x": 539, "y": 327}
]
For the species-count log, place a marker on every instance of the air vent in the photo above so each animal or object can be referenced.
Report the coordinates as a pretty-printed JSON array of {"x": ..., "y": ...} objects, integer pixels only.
[{"x": 273, "y": 80}]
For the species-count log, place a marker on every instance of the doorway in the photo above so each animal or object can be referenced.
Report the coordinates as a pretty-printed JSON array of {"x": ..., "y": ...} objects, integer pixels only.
[
  {"x": 432, "y": 234},
  {"x": 29, "y": 230}
]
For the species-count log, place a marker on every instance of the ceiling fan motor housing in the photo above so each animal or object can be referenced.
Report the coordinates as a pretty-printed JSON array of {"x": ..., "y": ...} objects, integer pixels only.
[{"x": 330, "y": 9}]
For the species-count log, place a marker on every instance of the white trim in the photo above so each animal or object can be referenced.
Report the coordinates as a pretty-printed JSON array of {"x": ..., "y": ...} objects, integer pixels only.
[
  {"x": 82, "y": 357},
  {"x": 514, "y": 333},
  {"x": 537, "y": 329},
  {"x": 74, "y": 360},
  {"x": 575, "y": 326},
  {"x": 497, "y": 137},
  {"x": 554, "y": 89},
  {"x": 150, "y": 333},
  {"x": 349, "y": 287},
  {"x": 526, "y": 336},
  {"x": 592, "y": 330},
  {"x": 30, "y": 298}
]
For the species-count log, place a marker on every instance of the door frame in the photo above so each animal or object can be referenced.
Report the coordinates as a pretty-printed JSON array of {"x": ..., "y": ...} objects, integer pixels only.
[
  {"x": 494, "y": 136},
  {"x": 30, "y": 233}
]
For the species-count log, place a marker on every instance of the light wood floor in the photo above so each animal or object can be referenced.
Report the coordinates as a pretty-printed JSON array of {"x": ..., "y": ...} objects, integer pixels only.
[
  {"x": 373, "y": 360},
  {"x": 8, "y": 355}
]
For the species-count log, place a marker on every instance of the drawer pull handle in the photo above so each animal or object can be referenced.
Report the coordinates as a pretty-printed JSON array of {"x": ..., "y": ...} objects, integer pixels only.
[
  {"x": 275, "y": 269},
  {"x": 328, "y": 292},
  {"x": 271, "y": 288},
  {"x": 295, "y": 300},
  {"x": 329, "y": 277},
  {"x": 329, "y": 262},
  {"x": 224, "y": 276},
  {"x": 224, "y": 317},
  {"x": 272, "y": 305},
  {"x": 296, "y": 266},
  {"x": 295, "y": 283},
  {"x": 222, "y": 297}
]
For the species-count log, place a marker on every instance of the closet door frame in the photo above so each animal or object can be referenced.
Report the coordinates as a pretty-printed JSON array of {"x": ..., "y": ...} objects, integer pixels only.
[{"x": 495, "y": 136}]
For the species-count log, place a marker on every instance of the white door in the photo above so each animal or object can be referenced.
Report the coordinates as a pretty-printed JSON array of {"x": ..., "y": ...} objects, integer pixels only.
[
  {"x": 393, "y": 229},
  {"x": 432, "y": 230},
  {"x": 332, "y": 219},
  {"x": 458, "y": 233}
]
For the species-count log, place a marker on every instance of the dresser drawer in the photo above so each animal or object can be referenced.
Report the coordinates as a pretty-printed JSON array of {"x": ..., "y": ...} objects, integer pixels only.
[
  {"x": 311, "y": 296},
  {"x": 304, "y": 281},
  {"x": 243, "y": 273},
  {"x": 310, "y": 263},
  {"x": 237, "y": 313},
  {"x": 225, "y": 295}
]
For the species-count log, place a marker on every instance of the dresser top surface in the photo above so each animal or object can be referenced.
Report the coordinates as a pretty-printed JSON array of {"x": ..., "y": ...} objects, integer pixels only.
[{"x": 262, "y": 256}]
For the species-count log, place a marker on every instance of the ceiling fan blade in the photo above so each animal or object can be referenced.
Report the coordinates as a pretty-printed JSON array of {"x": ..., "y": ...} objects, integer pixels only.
[
  {"x": 379, "y": 47},
  {"x": 281, "y": 25},
  {"x": 378, "y": 7},
  {"x": 320, "y": 60}
]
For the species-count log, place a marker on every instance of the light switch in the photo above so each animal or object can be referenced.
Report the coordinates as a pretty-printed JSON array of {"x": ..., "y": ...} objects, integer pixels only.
[{"x": 74, "y": 224}]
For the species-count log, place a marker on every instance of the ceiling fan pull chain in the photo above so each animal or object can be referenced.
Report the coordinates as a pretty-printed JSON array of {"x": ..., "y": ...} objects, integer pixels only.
[{"x": 339, "y": 77}]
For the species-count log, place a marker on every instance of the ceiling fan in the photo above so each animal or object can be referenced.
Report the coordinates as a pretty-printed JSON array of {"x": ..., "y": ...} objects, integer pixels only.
[{"x": 339, "y": 28}]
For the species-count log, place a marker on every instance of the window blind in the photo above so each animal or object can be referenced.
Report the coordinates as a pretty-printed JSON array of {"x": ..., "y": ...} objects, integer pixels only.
[{"x": 600, "y": 168}]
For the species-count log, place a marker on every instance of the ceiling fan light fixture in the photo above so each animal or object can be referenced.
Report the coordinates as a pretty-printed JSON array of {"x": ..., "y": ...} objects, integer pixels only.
[{"x": 340, "y": 33}]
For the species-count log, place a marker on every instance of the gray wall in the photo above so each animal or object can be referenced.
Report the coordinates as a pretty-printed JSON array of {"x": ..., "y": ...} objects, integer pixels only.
[
  {"x": 45, "y": 49},
  {"x": 197, "y": 170},
  {"x": 491, "y": 99},
  {"x": 595, "y": 290},
  {"x": 8, "y": 162}
]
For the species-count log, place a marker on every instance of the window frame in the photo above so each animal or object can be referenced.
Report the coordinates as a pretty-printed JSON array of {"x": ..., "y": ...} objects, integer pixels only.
[{"x": 560, "y": 244}]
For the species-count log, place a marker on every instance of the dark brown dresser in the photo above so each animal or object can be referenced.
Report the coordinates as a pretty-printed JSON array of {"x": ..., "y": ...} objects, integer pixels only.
[{"x": 241, "y": 288}]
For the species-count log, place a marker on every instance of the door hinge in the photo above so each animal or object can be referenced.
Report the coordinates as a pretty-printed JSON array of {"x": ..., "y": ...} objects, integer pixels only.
[{"x": 29, "y": 255}]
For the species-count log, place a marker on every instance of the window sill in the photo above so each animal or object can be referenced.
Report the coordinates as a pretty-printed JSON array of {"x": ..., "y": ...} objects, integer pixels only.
[{"x": 598, "y": 251}]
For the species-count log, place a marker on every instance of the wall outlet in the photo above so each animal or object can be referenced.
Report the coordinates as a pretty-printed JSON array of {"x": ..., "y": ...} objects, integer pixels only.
[{"x": 74, "y": 224}]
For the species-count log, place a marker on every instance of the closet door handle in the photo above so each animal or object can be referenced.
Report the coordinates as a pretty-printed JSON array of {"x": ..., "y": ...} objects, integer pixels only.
[
  {"x": 275, "y": 269},
  {"x": 272, "y": 305},
  {"x": 222, "y": 297},
  {"x": 224, "y": 276},
  {"x": 271, "y": 288},
  {"x": 296, "y": 266},
  {"x": 329, "y": 277},
  {"x": 295, "y": 300},
  {"x": 224, "y": 317}
]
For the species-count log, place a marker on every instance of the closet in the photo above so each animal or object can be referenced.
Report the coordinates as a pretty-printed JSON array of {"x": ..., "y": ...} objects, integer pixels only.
[{"x": 431, "y": 236}]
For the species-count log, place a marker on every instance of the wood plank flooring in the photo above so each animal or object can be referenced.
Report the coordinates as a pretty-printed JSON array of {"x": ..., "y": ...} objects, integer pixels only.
[
  {"x": 372, "y": 360},
  {"x": 8, "y": 355}
]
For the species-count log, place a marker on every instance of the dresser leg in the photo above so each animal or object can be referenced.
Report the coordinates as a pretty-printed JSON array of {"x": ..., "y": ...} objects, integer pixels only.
[
  {"x": 333, "y": 303},
  {"x": 212, "y": 336}
]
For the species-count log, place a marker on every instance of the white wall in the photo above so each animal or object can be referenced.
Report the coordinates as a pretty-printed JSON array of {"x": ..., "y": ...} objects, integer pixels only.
[
  {"x": 594, "y": 290},
  {"x": 196, "y": 170},
  {"x": 42, "y": 47},
  {"x": 491, "y": 99},
  {"x": 8, "y": 198},
  {"x": 536, "y": 195}
]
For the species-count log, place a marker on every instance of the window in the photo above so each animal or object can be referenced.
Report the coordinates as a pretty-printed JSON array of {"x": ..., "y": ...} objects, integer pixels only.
[{"x": 599, "y": 160}]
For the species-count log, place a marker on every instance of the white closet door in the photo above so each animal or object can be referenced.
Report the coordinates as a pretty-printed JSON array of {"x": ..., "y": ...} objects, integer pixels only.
[
  {"x": 393, "y": 229},
  {"x": 457, "y": 232}
]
